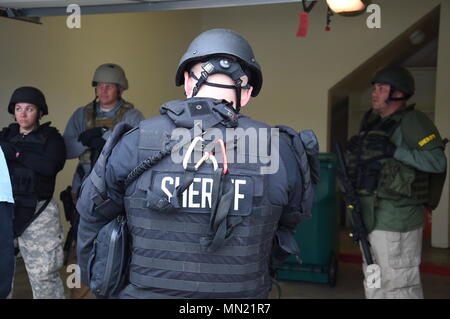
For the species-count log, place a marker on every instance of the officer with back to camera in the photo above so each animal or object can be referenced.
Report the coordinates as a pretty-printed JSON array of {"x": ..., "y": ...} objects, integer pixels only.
[{"x": 212, "y": 231}]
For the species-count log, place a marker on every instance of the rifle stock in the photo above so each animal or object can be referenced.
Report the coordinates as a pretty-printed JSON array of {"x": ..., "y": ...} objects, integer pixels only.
[{"x": 73, "y": 218}]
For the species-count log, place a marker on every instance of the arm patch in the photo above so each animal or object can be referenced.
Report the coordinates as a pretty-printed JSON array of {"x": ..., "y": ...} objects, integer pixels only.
[{"x": 419, "y": 132}]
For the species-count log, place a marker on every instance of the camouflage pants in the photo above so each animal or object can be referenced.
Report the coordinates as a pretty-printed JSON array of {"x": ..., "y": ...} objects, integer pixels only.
[{"x": 41, "y": 246}]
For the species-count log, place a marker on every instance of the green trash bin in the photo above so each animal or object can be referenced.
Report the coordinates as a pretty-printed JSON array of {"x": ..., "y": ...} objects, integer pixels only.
[{"x": 317, "y": 237}]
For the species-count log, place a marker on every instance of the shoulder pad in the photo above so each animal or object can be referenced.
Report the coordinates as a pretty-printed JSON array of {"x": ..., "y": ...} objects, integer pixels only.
[
  {"x": 119, "y": 130},
  {"x": 419, "y": 132},
  {"x": 306, "y": 150},
  {"x": 128, "y": 105},
  {"x": 50, "y": 129},
  {"x": 131, "y": 130},
  {"x": 47, "y": 131},
  {"x": 98, "y": 173},
  {"x": 305, "y": 143},
  {"x": 89, "y": 106},
  {"x": 154, "y": 133},
  {"x": 175, "y": 106},
  {"x": 5, "y": 131},
  {"x": 311, "y": 144}
]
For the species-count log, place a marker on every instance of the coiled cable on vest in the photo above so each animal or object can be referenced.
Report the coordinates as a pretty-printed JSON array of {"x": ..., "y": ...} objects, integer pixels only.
[{"x": 148, "y": 163}]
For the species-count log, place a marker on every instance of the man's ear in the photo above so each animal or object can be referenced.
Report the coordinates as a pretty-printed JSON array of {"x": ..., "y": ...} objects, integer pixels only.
[
  {"x": 246, "y": 95},
  {"x": 188, "y": 84},
  {"x": 398, "y": 94}
]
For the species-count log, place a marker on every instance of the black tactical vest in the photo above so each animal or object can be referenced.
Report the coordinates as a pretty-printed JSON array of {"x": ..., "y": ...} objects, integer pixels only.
[
  {"x": 28, "y": 186},
  {"x": 195, "y": 244},
  {"x": 25, "y": 180},
  {"x": 387, "y": 178}
]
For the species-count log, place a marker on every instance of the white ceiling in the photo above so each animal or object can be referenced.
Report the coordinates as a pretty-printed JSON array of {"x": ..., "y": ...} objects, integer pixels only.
[
  {"x": 43, "y": 8},
  {"x": 18, "y": 4}
]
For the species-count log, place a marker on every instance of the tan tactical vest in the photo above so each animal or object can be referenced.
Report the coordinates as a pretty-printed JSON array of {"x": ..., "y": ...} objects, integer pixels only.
[{"x": 92, "y": 121}]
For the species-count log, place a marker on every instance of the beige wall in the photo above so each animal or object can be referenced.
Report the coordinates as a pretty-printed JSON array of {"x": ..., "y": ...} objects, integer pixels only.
[
  {"x": 441, "y": 220},
  {"x": 61, "y": 62},
  {"x": 298, "y": 72}
]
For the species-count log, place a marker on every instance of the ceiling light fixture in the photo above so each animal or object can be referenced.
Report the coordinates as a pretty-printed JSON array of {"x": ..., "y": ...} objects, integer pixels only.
[{"x": 345, "y": 6}]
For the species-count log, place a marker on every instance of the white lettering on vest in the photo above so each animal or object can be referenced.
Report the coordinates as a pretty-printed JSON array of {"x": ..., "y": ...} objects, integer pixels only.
[
  {"x": 193, "y": 204},
  {"x": 207, "y": 190},
  {"x": 199, "y": 193},
  {"x": 237, "y": 195}
]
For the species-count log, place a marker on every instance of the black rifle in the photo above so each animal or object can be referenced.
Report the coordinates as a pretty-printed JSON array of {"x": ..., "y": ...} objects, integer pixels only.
[
  {"x": 353, "y": 204},
  {"x": 72, "y": 217}
]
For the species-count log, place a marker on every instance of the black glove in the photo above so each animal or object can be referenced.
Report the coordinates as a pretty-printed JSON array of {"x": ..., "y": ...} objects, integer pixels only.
[
  {"x": 97, "y": 143},
  {"x": 354, "y": 143},
  {"x": 9, "y": 150},
  {"x": 88, "y": 136},
  {"x": 382, "y": 144}
]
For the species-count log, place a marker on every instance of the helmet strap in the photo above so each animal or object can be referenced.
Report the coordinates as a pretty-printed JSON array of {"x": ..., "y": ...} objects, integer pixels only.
[
  {"x": 94, "y": 103},
  {"x": 391, "y": 98},
  {"x": 224, "y": 66}
]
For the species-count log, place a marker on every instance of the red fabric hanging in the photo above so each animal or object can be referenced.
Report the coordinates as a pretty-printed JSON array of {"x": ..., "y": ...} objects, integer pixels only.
[{"x": 302, "y": 30}]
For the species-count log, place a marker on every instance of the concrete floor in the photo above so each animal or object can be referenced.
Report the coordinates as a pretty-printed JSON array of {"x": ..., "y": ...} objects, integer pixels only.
[{"x": 348, "y": 285}]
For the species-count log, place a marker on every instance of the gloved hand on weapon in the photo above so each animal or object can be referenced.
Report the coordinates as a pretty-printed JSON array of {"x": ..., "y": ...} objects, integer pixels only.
[
  {"x": 92, "y": 138},
  {"x": 382, "y": 144},
  {"x": 354, "y": 143}
]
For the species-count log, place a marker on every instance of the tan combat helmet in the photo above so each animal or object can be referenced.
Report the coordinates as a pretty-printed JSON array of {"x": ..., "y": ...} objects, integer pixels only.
[{"x": 110, "y": 73}]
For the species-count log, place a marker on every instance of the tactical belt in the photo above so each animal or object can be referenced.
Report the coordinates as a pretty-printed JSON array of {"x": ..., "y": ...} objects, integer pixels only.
[
  {"x": 196, "y": 248},
  {"x": 185, "y": 285},
  {"x": 202, "y": 268},
  {"x": 195, "y": 228}
]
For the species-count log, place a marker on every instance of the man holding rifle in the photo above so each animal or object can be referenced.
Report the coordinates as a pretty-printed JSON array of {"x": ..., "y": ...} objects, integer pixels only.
[{"x": 397, "y": 166}]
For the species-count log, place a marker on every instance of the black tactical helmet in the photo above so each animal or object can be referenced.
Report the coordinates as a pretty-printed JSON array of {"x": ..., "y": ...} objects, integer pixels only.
[
  {"x": 398, "y": 78},
  {"x": 221, "y": 42},
  {"x": 28, "y": 94}
]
